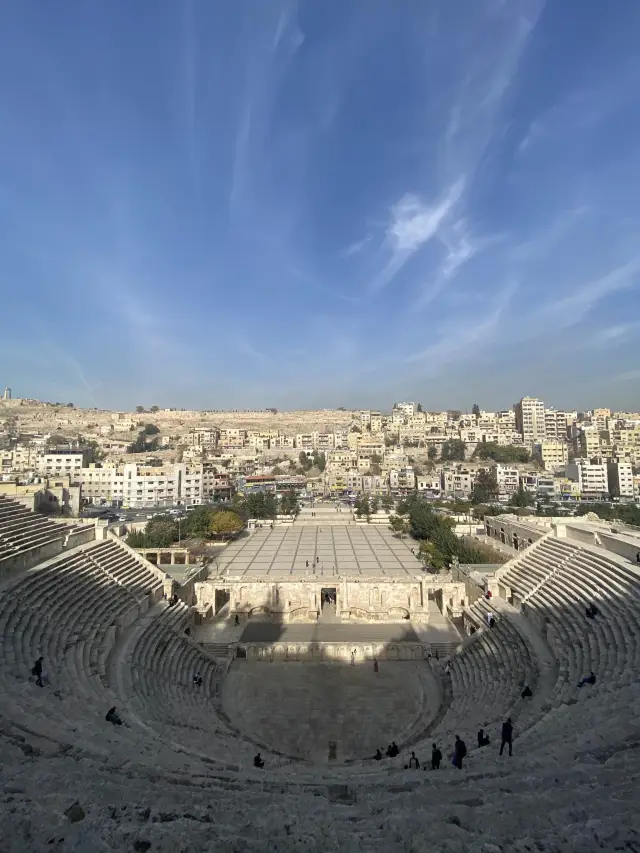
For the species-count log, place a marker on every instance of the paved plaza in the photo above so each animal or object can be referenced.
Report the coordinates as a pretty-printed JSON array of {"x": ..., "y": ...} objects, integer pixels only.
[
  {"x": 330, "y": 551},
  {"x": 328, "y": 632}
]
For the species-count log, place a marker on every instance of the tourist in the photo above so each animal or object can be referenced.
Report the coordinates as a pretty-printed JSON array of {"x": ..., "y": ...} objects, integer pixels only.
[
  {"x": 237, "y": 620},
  {"x": 413, "y": 762},
  {"x": 507, "y": 736},
  {"x": 526, "y": 693},
  {"x": 187, "y": 631},
  {"x": 447, "y": 667},
  {"x": 37, "y": 671},
  {"x": 197, "y": 679},
  {"x": 390, "y": 751},
  {"x": 394, "y": 749},
  {"x": 436, "y": 758},
  {"x": 257, "y": 761},
  {"x": 375, "y": 664},
  {"x": 591, "y": 611},
  {"x": 483, "y": 740},
  {"x": 378, "y": 755},
  {"x": 437, "y": 655},
  {"x": 489, "y": 594},
  {"x": 353, "y": 658},
  {"x": 459, "y": 752},
  {"x": 638, "y": 558},
  {"x": 306, "y": 562},
  {"x": 492, "y": 622},
  {"x": 112, "y": 717},
  {"x": 588, "y": 679}
]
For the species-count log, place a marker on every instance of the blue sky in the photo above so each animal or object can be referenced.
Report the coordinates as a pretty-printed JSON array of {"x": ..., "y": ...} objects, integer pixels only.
[{"x": 260, "y": 203}]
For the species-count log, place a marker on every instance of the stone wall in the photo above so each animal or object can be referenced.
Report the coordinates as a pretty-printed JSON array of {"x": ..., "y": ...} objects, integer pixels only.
[{"x": 338, "y": 652}]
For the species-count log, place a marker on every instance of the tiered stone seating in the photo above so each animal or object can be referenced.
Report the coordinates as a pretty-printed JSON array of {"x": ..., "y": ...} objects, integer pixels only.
[
  {"x": 123, "y": 567},
  {"x": 487, "y": 676},
  {"x": 22, "y": 530},
  {"x": 158, "y": 682}
]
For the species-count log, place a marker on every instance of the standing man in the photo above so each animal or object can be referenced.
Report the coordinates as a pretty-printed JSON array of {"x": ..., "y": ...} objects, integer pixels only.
[
  {"x": 37, "y": 671},
  {"x": 436, "y": 757},
  {"x": 507, "y": 736}
]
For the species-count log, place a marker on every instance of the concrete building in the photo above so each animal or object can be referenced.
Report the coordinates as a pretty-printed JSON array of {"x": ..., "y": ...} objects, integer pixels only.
[
  {"x": 592, "y": 478},
  {"x": 508, "y": 479},
  {"x": 407, "y": 409},
  {"x": 62, "y": 463},
  {"x": 620, "y": 475},
  {"x": 553, "y": 454},
  {"x": 588, "y": 443},
  {"x": 556, "y": 424},
  {"x": 133, "y": 485},
  {"x": 530, "y": 420},
  {"x": 458, "y": 481},
  {"x": 402, "y": 479}
]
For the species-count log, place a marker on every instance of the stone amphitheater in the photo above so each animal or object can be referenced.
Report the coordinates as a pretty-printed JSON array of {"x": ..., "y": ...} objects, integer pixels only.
[{"x": 178, "y": 775}]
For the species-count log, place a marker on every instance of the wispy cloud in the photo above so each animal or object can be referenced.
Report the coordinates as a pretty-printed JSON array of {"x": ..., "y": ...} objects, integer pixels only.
[
  {"x": 412, "y": 224},
  {"x": 618, "y": 333},
  {"x": 571, "y": 308},
  {"x": 466, "y": 336},
  {"x": 358, "y": 246}
]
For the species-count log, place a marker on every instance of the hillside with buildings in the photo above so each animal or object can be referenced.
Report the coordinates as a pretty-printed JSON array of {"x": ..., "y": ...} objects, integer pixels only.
[{"x": 63, "y": 458}]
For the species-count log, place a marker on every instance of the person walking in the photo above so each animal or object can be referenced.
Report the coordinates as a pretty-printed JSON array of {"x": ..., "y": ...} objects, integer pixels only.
[
  {"x": 37, "y": 671},
  {"x": 375, "y": 664},
  {"x": 459, "y": 752},
  {"x": 436, "y": 757},
  {"x": 507, "y": 736},
  {"x": 413, "y": 762}
]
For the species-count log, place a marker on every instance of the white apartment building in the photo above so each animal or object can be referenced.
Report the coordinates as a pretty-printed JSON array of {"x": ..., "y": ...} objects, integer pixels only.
[
  {"x": 407, "y": 409},
  {"x": 556, "y": 424},
  {"x": 202, "y": 437},
  {"x": 133, "y": 485},
  {"x": 601, "y": 418},
  {"x": 530, "y": 420},
  {"x": 402, "y": 479},
  {"x": 229, "y": 437},
  {"x": 508, "y": 479},
  {"x": 457, "y": 482},
  {"x": 620, "y": 476},
  {"x": 375, "y": 422},
  {"x": 428, "y": 483},
  {"x": 24, "y": 457},
  {"x": 285, "y": 441},
  {"x": 67, "y": 463},
  {"x": 553, "y": 454},
  {"x": 592, "y": 478}
]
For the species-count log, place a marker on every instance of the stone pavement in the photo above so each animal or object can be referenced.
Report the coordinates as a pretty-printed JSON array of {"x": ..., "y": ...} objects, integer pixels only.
[
  {"x": 336, "y": 632},
  {"x": 329, "y": 551}
]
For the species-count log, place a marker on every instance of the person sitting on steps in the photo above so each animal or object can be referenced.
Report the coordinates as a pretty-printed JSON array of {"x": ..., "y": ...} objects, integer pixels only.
[
  {"x": 257, "y": 761},
  {"x": 483, "y": 740},
  {"x": 112, "y": 717},
  {"x": 591, "y": 611},
  {"x": 526, "y": 693},
  {"x": 588, "y": 679},
  {"x": 378, "y": 755}
]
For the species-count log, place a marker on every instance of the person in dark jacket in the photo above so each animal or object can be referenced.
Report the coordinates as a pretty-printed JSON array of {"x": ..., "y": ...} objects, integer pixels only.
[
  {"x": 413, "y": 761},
  {"x": 588, "y": 679},
  {"x": 112, "y": 717},
  {"x": 507, "y": 736},
  {"x": 37, "y": 671},
  {"x": 257, "y": 761},
  {"x": 526, "y": 693},
  {"x": 436, "y": 757},
  {"x": 378, "y": 755},
  {"x": 483, "y": 740},
  {"x": 459, "y": 752},
  {"x": 591, "y": 611}
]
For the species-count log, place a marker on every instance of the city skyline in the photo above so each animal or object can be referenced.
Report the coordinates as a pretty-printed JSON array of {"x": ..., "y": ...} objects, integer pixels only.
[{"x": 276, "y": 205}]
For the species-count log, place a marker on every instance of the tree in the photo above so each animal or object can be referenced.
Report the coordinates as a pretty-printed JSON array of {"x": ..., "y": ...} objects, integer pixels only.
[
  {"x": 362, "y": 506},
  {"x": 485, "y": 489},
  {"x": 226, "y": 523},
  {"x": 521, "y": 498},
  {"x": 398, "y": 525},
  {"x": 453, "y": 450},
  {"x": 475, "y": 410},
  {"x": 305, "y": 462},
  {"x": 375, "y": 504},
  {"x": 154, "y": 409},
  {"x": 432, "y": 452},
  {"x": 355, "y": 428},
  {"x": 504, "y": 454},
  {"x": 140, "y": 409},
  {"x": 419, "y": 409},
  {"x": 70, "y": 406},
  {"x": 375, "y": 469},
  {"x": 319, "y": 460},
  {"x": 289, "y": 503},
  {"x": 150, "y": 429},
  {"x": 387, "y": 502}
]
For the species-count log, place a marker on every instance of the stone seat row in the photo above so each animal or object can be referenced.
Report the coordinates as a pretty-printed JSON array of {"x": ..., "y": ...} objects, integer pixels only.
[
  {"x": 125, "y": 569},
  {"x": 160, "y": 686},
  {"x": 487, "y": 676}
]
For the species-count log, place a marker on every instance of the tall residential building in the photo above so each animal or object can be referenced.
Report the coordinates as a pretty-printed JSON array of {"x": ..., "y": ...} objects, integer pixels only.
[
  {"x": 554, "y": 454},
  {"x": 555, "y": 424},
  {"x": 591, "y": 477},
  {"x": 530, "y": 421},
  {"x": 620, "y": 476}
]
